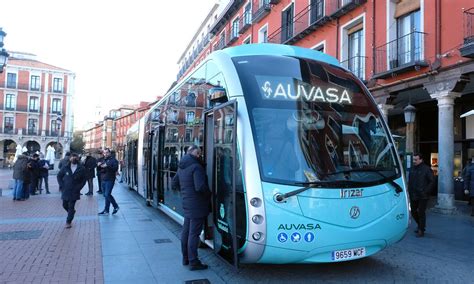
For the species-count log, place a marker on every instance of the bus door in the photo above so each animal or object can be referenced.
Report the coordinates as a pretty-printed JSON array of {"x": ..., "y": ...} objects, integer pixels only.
[
  {"x": 220, "y": 153},
  {"x": 158, "y": 178}
]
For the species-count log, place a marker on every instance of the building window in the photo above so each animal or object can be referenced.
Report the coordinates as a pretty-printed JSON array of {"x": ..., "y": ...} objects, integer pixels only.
[
  {"x": 248, "y": 14},
  {"x": 319, "y": 47},
  {"x": 35, "y": 83},
  {"x": 8, "y": 125},
  {"x": 11, "y": 80},
  {"x": 33, "y": 104},
  {"x": 32, "y": 126},
  {"x": 409, "y": 40},
  {"x": 263, "y": 35},
  {"x": 55, "y": 127},
  {"x": 172, "y": 135},
  {"x": 56, "y": 106},
  {"x": 188, "y": 137},
  {"x": 356, "y": 61},
  {"x": 10, "y": 102},
  {"x": 248, "y": 40},
  {"x": 317, "y": 10},
  {"x": 235, "y": 28},
  {"x": 190, "y": 117},
  {"x": 287, "y": 23},
  {"x": 57, "y": 85}
]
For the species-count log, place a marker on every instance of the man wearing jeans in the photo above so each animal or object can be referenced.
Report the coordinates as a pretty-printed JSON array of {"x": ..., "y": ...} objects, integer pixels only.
[
  {"x": 109, "y": 168},
  {"x": 19, "y": 172}
]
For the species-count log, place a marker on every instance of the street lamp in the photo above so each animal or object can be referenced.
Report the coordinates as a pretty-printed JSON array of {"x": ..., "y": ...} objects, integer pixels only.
[
  {"x": 59, "y": 120},
  {"x": 410, "y": 113},
  {"x": 3, "y": 53}
]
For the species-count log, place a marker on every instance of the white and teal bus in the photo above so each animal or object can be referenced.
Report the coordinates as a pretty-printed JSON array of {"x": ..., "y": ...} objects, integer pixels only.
[{"x": 300, "y": 161}]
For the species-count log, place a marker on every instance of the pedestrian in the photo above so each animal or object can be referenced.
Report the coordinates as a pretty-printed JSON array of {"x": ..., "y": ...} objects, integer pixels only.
[
  {"x": 27, "y": 177},
  {"x": 72, "y": 178},
  {"x": 64, "y": 161},
  {"x": 109, "y": 169},
  {"x": 90, "y": 163},
  {"x": 192, "y": 182},
  {"x": 34, "y": 167},
  {"x": 420, "y": 184},
  {"x": 19, "y": 172},
  {"x": 100, "y": 160},
  {"x": 469, "y": 183},
  {"x": 44, "y": 173}
]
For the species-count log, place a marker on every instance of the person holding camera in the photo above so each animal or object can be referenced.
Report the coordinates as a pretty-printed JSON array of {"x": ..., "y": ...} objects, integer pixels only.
[{"x": 108, "y": 172}]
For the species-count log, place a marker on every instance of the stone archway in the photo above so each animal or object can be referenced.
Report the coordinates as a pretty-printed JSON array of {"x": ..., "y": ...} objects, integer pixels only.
[
  {"x": 7, "y": 154},
  {"x": 32, "y": 146},
  {"x": 58, "y": 147}
]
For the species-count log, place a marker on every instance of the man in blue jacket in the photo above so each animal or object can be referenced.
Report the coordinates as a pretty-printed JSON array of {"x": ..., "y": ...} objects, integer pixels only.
[
  {"x": 191, "y": 180},
  {"x": 109, "y": 168},
  {"x": 72, "y": 179}
]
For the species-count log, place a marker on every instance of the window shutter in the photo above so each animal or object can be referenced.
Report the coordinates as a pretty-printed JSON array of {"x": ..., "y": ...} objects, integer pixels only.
[{"x": 406, "y": 6}]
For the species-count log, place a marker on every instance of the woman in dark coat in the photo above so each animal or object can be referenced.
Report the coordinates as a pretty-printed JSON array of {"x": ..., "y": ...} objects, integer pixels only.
[
  {"x": 469, "y": 184},
  {"x": 72, "y": 179},
  {"x": 90, "y": 164}
]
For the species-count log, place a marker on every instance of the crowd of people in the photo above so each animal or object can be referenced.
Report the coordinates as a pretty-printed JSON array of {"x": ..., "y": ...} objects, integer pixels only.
[{"x": 31, "y": 172}]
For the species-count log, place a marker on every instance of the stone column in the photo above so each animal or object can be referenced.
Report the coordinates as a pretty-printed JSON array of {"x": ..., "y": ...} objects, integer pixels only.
[{"x": 442, "y": 91}]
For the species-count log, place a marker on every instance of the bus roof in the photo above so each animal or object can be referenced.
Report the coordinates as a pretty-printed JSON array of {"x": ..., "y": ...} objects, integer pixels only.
[{"x": 279, "y": 49}]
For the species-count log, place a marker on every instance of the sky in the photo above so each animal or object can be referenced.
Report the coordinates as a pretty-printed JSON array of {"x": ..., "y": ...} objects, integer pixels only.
[{"x": 122, "y": 51}]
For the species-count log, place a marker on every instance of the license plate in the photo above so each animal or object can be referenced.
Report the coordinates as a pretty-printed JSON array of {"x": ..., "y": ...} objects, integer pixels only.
[{"x": 348, "y": 253}]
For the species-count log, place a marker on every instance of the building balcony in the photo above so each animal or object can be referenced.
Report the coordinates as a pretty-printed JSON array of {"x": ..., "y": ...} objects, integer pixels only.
[
  {"x": 313, "y": 16},
  {"x": 220, "y": 44},
  {"x": 400, "y": 55},
  {"x": 260, "y": 10},
  {"x": 232, "y": 38},
  {"x": 356, "y": 65},
  {"x": 467, "y": 49},
  {"x": 245, "y": 22},
  {"x": 23, "y": 87}
]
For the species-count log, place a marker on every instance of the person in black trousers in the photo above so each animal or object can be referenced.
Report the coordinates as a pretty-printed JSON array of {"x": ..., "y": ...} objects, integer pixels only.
[
  {"x": 90, "y": 164},
  {"x": 99, "y": 170},
  {"x": 72, "y": 179},
  {"x": 420, "y": 184},
  {"x": 191, "y": 180},
  {"x": 109, "y": 168}
]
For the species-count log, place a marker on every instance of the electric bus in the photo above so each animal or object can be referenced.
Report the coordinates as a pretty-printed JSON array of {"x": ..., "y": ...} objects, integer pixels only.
[{"x": 301, "y": 164}]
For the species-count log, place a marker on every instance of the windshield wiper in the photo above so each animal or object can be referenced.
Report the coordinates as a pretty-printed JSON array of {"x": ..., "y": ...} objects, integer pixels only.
[
  {"x": 314, "y": 184},
  {"x": 378, "y": 171}
]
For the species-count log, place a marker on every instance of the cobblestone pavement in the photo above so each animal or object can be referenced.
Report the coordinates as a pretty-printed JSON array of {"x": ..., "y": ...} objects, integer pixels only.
[{"x": 36, "y": 248}]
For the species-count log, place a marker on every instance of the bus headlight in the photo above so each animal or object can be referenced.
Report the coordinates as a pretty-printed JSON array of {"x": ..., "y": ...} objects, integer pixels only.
[
  {"x": 255, "y": 202},
  {"x": 257, "y": 219},
  {"x": 257, "y": 236}
]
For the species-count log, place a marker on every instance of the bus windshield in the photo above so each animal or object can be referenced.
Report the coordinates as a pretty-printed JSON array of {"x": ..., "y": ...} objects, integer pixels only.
[{"x": 313, "y": 122}]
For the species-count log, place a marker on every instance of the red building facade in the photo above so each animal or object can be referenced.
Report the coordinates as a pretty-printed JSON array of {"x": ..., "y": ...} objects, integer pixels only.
[
  {"x": 408, "y": 52},
  {"x": 35, "y": 106}
]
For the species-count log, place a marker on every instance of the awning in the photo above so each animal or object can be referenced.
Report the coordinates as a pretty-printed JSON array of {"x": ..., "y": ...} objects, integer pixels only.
[{"x": 471, "y": 112}]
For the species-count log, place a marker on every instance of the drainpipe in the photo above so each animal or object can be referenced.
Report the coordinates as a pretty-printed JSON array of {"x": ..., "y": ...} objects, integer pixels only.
[
  {"x": 437, "y": 63},
  {"x": 337, "y": 38},
  {"x": 373, "y": 35}
]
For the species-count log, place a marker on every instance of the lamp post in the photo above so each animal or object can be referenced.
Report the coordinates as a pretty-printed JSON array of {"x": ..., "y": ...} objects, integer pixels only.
[
  {"x": 410, "y": 115},
  {"x": 59, "y": 121},
  {"x": 3, "y": 53}
]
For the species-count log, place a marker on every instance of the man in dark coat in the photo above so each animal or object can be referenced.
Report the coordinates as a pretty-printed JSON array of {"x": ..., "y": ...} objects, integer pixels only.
[
  {"x": 90, "y": 164},
  {"x": 72, "y": 179},
  {"x": 420, "y": 184},
  {"x": 19, "y": 172},
  {"x": 469, "y": 183},
  {"x": 34, "y": 167},
  {"x": 109, "y": 168},
  {"x": 191, "y": 180},
  {"x": 99, "y": 170},
  {"x": 44, "y": 173}
]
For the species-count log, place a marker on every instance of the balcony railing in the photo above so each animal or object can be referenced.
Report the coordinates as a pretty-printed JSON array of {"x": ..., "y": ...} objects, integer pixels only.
[
  {"x": 311, "y": 17},
  {"x": 220, "y": 44},
  {"x": 260, "y": 10},
  {"x": 356, "y": 65},
  {"x": 400, "y": 55},
  {"x": 245, "y": 22},
  {"x": 6, "y": 130},
  {"x": 467, "y": 50}
]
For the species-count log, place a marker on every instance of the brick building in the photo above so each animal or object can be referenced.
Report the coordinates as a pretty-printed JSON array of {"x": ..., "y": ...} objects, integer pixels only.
[
  {"x": 35, "y": 106},
  {"x": 408, "y": 52},
  {"x": 111, "y": 132}
]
